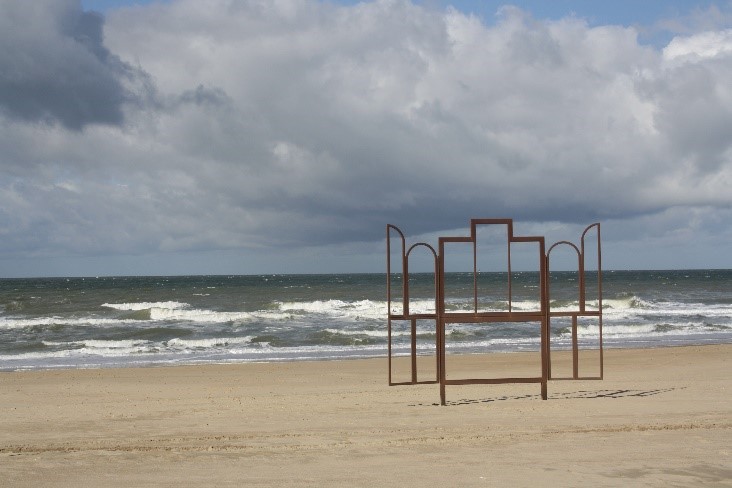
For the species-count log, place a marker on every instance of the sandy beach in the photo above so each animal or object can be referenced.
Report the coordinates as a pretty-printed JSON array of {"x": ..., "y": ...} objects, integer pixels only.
[{"x": 661, "y": 417}]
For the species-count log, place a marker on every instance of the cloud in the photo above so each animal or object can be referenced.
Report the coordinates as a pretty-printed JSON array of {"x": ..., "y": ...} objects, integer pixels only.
[
  {"x": 703, "y": 45},
  {"x": 698, "y": 19},
  {"x": 694, "y": 104},
  {"x": 292, "y": 124},
  {"x": 56, "y": 67}
]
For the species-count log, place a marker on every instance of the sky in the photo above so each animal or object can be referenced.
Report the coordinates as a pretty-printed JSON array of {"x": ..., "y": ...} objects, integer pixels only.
[{"x": 281, "y": 136}]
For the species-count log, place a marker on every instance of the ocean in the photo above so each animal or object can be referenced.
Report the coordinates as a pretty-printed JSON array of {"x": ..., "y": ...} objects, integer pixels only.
[{"x": 48, "y": 323}]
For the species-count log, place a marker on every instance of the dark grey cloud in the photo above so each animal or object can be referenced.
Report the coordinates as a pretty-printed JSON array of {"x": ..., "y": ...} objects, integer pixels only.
[{"x": 56, "y": 68}]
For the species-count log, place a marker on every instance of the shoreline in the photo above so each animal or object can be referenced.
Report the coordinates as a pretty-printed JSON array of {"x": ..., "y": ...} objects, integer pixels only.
[
  {"x": 661, "y": 416},
  {"x": 355, "y": 357}
]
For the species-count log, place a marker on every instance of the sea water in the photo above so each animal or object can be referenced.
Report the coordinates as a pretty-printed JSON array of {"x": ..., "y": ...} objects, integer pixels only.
[{"x": 131, "y": 321}]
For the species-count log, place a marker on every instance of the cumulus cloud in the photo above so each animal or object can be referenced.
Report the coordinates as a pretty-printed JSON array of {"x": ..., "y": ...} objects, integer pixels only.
[
  {"x": 295, "y": 123},
  {"x": 703, "y": 45}
]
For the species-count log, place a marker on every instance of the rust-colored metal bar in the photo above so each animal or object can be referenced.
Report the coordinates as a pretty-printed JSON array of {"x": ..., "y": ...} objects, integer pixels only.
[
  {"x": 422, "y": 316},
  {"x": 436, "y": 316},
  {"x": 487, "y": 317},
  {"x": 414, "y": 349},
  {"x": 389, "y": 228},
  {"x": 582, "y": 284},
  {"x": 575, "y": 349},
  {"x": 441, "y": 313},
  {"x": 589, "y": 313},
  {"x": 545, "y": 321},
  {"x": 580, "y": 266},
  {"x": 599, "y": 287},
  {"x": 548, "y": 291},
  {"x": 475, "y": 222},
  {"x": 548, "y": 349},
  {"x": 475, "y": 273},
  {"x": 496, "y": 381},
  {"x": 509, "y": 239}
]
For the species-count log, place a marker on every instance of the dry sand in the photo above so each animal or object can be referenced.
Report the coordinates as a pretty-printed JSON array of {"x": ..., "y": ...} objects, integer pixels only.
[{"x": 661, "y": 417}]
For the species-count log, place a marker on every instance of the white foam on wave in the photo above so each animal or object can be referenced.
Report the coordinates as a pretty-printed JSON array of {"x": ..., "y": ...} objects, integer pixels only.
[
  {"x": 381, "y": 333},
  {"x": 118, "y": 348},
  {"x": 220, "y": 345},
  {"x": 690, "y": 309},
  {"x": 338, "y": 308},
  {"x": 504, "y": 343},
  {"x": 415, "y": 306},
  {"x": 211, "y": 316},
  {"x": 19, "y": 323},
  {"x": 645, "y": 330},
  {"x": 195, "y": 315},
  {"x": 171, "y": 305},
  {"x": 180, "y": 311},
  {"x": 211, "y": 343},
  {"x": 629, "y": 303},
  {"x": 161, "y": 314},
  {"x": 90, "y": 347},
  {"x": 111, "y": 344}
]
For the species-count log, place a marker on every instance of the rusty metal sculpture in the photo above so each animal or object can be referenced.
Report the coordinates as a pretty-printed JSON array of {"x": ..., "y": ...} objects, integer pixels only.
[{"x": 441, "y": 316}]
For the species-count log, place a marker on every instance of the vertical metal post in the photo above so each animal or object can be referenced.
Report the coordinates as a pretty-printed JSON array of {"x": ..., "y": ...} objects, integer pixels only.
[
  {"x": 547, "y": 284},
  {"x": 545, "y": 319},
  {"x": 599, "y": 288},
  {"x": 405, "y": 281},
  {"x": 582, "y": 284},
  {"x": 599, "y": 296},
  {"x": 388, "y": 298},
  {"x": 509, "y": 232},
  {"x": 475, "y": 274},
  {"x": 575, "y": 349},
  {"x": 414, "y": 350},
  {"x": 389, "y": 228},
  {"x": 440, "y": 316},
  {"x": 438, "y": 355}
]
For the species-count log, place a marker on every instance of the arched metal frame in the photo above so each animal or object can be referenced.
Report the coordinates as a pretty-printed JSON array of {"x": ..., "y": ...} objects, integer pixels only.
[
  {"x": 406, "y": 315},
  {"x": 582, "y": 310},
  {"x": 442, "y": 316}
]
